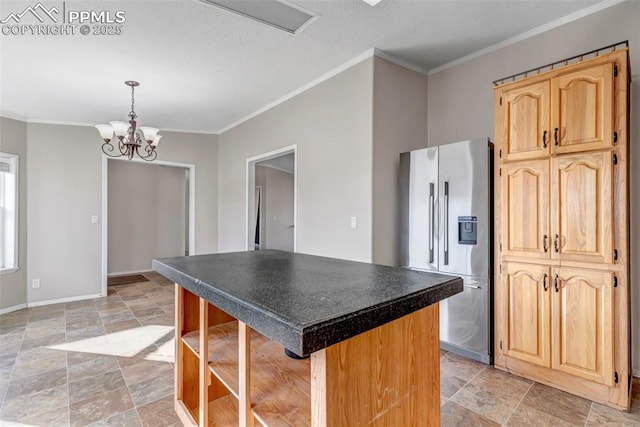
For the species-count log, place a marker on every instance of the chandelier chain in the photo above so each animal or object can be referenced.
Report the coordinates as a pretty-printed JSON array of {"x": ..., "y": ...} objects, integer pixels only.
[{"x": 132, "y": 114}]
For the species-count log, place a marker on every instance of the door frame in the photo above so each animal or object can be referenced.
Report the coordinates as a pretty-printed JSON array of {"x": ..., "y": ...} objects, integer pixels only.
[
  {"x": 250, "y": 185},
  {"x": 191, "y": 214}
]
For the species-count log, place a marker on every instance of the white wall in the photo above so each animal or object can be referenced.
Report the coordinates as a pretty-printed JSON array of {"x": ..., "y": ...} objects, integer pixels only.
[
  {"x": 146, "y": 214},
  {"x": 64, "y": 176},
  {"x": 399, "y": 125},
  {"x": 331, "y": 124},
  {"x": 461, "y": 99},
  {"x": 278, "y": 190},
  {"x": 13, "y": 140}
]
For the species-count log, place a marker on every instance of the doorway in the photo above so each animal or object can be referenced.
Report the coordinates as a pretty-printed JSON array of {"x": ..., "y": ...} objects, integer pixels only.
[
  {"x": 147, "y": 212},
  {"x": 272, "y": 200}
]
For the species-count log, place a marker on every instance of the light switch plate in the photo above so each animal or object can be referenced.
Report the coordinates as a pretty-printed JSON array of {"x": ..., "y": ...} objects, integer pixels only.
[
  {"x": 95, "y": 219},
  {"x": 354, "y": 222}
]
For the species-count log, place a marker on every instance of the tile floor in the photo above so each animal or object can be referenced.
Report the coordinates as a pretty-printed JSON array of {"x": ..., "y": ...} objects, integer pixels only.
[{"x": 108, "y": 361}]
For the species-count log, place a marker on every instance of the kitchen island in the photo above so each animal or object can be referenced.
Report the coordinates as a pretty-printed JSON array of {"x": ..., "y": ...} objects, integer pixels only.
[{"x": 371, "y": 333}]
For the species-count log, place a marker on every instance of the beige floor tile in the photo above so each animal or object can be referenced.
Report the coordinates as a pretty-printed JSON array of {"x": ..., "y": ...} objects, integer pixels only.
[
  {"x": 29, "y": 367},
  {"x": 43, "y": 342},
  {"x": 122, "y": 326},
  {"x": 601, "y": 415},
  {"x": 457, "y": 366},
  {"x": 87, "y": 365},
  {"x": 529, "y": 417},
  {"x": 502, "y": 383},
  {"x": 567, "y": 407},
  {"x": 100, "y": 406},
  {"x": 449, "y": 385},
  {"x": 159, "y": 413},
  {"x": 488, "y": 403},
  {"x": 88, "y": 332},
  {"x": 33, "y": 384},
  {"x": 141, "y": 370},
  {"x": 29, "y": 405},
  {"x": 57, "y": 417},
  {"x": 125, "y": 419},
  {"x": 454, "y": 415},
  {"x": 98, "y": 383},
  {"x": 152, "y": 389}
]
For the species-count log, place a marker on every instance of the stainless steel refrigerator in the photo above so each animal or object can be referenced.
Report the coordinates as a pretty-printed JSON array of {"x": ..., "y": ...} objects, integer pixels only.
[{"x": 447, "y": 227}]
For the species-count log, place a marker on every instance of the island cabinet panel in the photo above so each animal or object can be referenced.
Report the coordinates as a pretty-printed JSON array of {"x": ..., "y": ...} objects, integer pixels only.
[
  {"x": 400, "y": 357},
  {"x": 527, "y": 117},
  {"x": 562, "y": 228},
  {"x": 528, "y": 315}
]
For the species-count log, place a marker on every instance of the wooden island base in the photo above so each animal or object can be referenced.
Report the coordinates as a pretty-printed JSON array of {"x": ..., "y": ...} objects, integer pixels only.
[{"x": 387, "y": 376}]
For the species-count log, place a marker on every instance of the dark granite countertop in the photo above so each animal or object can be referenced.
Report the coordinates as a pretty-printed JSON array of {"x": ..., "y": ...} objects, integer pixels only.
[{"x": 306, "y": 302}]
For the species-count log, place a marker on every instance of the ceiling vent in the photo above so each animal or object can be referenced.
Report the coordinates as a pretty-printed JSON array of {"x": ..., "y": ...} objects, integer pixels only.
[{"x": 283, "y": 16}]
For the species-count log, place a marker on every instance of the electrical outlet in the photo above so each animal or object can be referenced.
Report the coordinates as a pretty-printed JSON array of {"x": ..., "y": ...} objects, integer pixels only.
[
  {"x": 35, "y": 283},
  {"x": 354, "y": 222}
]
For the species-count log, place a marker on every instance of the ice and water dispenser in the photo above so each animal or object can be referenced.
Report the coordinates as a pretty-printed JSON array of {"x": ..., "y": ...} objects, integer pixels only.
[{"x": 468, "y": 230}]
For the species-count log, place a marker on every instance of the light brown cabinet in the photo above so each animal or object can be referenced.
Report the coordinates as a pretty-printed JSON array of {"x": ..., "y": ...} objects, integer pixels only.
[
  {"x": 564, "y": 114},
  {"x": 560, "y": 318},
  {"x": 562, "y": 236}
]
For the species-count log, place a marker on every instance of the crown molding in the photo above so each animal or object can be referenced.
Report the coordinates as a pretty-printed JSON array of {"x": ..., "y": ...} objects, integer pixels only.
[
  {"x": 528, "y": 34},
  {"x": 401, "y": 62}
]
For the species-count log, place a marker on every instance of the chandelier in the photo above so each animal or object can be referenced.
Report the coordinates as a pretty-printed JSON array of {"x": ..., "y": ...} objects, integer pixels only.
[{"x": 130, "y": 137}]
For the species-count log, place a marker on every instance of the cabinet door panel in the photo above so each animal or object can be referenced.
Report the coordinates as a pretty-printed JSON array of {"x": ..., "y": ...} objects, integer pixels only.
[
  {"x": 526, "y": 290},
  {"x": 582, "y": 109},
  {"x": 582, "y": 205},
  {"x": 527, "y": 121},
  {"x": 583, "y": 324},
  {"x": 525, "y": 192}
]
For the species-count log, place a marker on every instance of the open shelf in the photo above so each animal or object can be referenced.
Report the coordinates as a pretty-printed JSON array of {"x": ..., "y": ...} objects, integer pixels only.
[{"x": 280, "y": 385}]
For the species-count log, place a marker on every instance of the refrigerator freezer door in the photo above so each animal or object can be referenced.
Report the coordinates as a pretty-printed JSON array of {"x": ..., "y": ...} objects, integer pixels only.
[
  {"x": 420, "y": 238},
  {"x": 465, "y": 321},
  {"x": 464, "y": 198}
]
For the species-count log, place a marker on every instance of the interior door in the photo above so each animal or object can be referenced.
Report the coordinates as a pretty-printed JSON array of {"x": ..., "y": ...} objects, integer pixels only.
[
  {"x": 464, "y": 194},
  {"x": 582, "y": 203},
  {"x": 582, "y": 112},
  {"x": 583, "y": 324},
  {"x": 527, "y": 121},
  {"x": 525, "y": 201}
]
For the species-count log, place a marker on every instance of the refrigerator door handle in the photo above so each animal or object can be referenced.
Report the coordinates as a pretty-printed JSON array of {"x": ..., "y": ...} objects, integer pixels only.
[
  {"x": 431, "y": 220},
  {"x": 446, "y": 223}
]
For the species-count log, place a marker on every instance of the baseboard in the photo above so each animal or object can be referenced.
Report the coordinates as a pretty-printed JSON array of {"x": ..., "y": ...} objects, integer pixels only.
[
  {"x": 125, "y": 273},
  {"x": 61, "y": 300},
  {"x": 12, "y": 309}
]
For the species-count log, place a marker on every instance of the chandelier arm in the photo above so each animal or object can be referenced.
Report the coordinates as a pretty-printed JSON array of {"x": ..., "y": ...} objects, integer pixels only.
[
  {"x": 149, "y": 157},
  {"x": 107, "y": 148}
]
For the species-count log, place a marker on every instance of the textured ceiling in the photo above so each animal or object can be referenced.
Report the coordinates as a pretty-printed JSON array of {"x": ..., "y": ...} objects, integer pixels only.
[{"x": 202, "y": 68}]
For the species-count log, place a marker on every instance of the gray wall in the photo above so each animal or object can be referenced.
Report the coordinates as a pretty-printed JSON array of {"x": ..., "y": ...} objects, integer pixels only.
[
  {"x": 399, "y": 125},
  {"x": 13, "y": 140},
  {"x": 146, "y": 219},
  {"x": 331, "y": 124},
  {"x": 65, "y": 176},
  {"x": 461, "y": 98}
]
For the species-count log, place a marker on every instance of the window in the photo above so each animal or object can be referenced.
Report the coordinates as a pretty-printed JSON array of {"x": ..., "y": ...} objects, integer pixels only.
[{"x": 8, "y": 213}]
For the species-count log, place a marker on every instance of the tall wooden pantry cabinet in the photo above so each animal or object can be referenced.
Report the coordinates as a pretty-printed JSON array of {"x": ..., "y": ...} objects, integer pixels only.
[{"x": 562, "y": 313}]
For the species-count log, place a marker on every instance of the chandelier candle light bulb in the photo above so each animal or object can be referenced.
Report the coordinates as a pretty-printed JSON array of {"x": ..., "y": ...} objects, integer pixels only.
[{"x": 130, "y": 137}]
